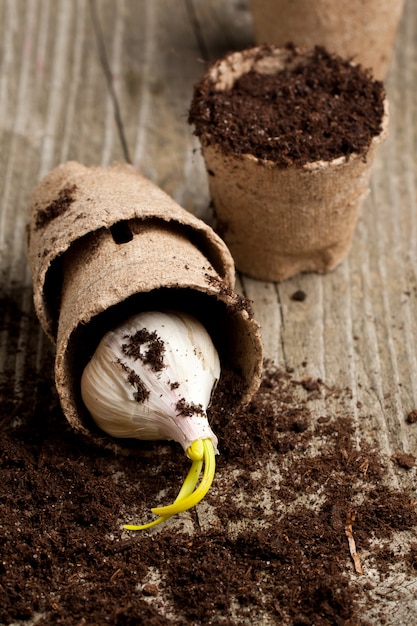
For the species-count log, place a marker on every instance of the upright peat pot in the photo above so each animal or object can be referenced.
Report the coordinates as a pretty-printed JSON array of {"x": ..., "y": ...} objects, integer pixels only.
[
  {"x": 288, "y": 137},
  {"x": 138, "y": 295},
  {"x": 361, "y": 30}
]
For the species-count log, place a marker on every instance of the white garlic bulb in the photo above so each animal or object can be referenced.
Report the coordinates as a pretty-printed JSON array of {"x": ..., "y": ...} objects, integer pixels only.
[{"x": 152, "y": 378}]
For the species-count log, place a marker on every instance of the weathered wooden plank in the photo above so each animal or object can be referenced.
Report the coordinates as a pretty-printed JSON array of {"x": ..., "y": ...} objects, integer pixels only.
[
  {"x": 154, "y": 73},
  {"x": 55, "y": 105},
  {"x": 54, "y": 109},
  {"x": 98, "y": 81},
  {"x": 155, "y": 68}
]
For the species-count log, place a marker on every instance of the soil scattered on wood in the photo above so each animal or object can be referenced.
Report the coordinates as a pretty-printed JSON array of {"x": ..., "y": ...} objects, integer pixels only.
[
  {"x": 299, "y": 295},
  {"x": 404, "y": 460},
  {"x": 322, "y": 109},
  {"x": 412, "y": 417},
  {"x": 271, "y": 546}
]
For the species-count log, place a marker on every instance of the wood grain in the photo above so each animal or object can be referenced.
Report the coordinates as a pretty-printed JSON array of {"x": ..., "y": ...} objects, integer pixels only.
[{"x": 100, "y": 81}]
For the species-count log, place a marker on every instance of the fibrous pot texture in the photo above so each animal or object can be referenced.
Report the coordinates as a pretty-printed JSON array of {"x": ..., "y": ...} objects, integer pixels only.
[
  {"x": 289, "y": 138},
  {"x": 106, "y": 243}
]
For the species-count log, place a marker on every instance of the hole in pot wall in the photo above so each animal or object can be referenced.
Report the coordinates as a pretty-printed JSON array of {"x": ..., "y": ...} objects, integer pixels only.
[{"x": 121, "y": 232}]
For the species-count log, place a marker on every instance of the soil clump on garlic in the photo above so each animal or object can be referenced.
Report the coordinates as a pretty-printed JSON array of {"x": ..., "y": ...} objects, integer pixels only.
[
  {"x": 153, "y": 355},
  {"x": 269, "y": 546}
]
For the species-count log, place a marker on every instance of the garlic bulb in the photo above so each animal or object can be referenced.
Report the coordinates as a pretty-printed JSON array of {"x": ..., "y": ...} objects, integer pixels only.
[{"x": 152, "y": 378}]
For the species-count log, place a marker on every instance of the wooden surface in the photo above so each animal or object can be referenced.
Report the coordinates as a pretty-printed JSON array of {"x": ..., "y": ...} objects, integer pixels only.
[{"x": 101, "y": 81}]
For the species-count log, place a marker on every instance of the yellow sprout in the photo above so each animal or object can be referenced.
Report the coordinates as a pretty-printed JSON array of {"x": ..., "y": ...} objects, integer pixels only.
[{"x": 201, "y": 452}]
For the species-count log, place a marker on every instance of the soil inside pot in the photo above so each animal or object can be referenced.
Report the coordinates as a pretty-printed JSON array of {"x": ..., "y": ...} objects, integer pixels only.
[{"x": 318, "y": 110}]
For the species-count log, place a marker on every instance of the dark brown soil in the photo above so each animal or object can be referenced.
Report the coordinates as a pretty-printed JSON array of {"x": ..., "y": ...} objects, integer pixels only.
[
  {"x": 406, "y": 461},
  {"x": 276, "y": 549},
  {"x": 153, "y": 354},
  {"x": 299, "y": 295},
  {"x": 58, "y": 207},
  {"x": 412, "y": 417},
  {"x": 323, "y": 109}
]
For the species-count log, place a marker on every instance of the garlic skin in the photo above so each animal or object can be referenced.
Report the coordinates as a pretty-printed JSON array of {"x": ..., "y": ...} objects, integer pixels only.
[{"x": 152, "y": 378}]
